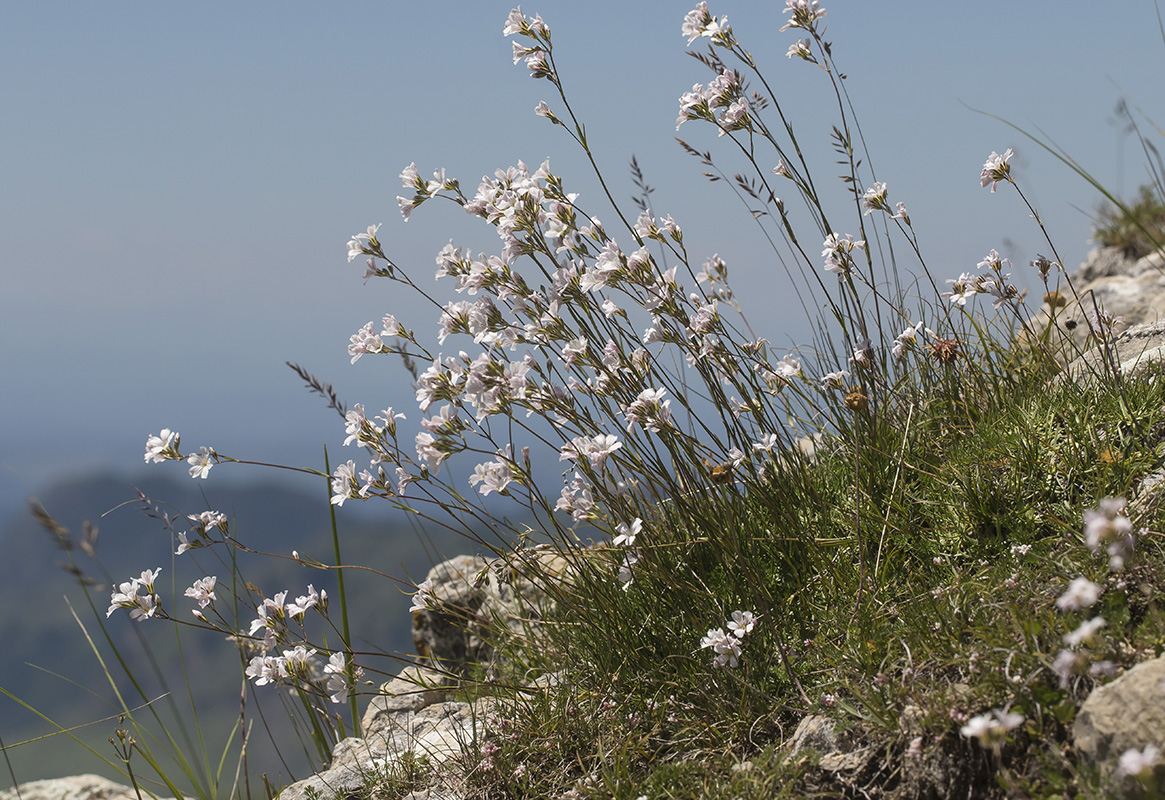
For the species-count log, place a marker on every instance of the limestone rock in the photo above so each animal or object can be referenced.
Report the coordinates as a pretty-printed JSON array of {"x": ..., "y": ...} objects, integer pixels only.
[
  {"x": 474, "y": 595},
  {"x": 1137, "y": 347},
  {"x": 1134, "y": 291},
  {"x": 838, "y": 753},
  {"x": 1127, "y": 713},
  {"x": 413, "y": 717},
  {"x": 77, "y": 787}
]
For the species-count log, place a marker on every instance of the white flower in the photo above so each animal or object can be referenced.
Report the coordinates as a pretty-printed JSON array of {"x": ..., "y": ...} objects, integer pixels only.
[
  {"x": 1139, "y": 763},
  {"x": 1081, "y": 593},
  {"x": 360, "y": 243},
  {"x": 337, "y": 671},
  {"x": 344, "y": 485},
  {"x": 766, "y": 443},
  {"x": 834, "y": 380},
  {"x": 200, "y": 462},
  {"x": 725, "y": 646},
  {"x": 991, "y": 729},
  {"x": 1085, "y": 633},
  {"x": 313, "y": 599},
  {"x": 630, "y": 559},
  {"x": 742, "y": 622},
  {"x": 423, "y": 599},
  {"x": 162, "y": 447},
  {"x": 627, "y": 532},
  {"x": 996, "y": 169},
  {"x": 203, "y": 591}
]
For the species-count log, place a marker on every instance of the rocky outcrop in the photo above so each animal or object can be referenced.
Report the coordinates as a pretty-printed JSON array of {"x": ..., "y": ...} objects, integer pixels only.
[
  {"x": 1108, "y": 281},
  {"x": 414, "y": 730},
  {"x": 1126, "y": 714},
  {"x": 78, "y": 787},
  {"x": 418, "y": 717}
]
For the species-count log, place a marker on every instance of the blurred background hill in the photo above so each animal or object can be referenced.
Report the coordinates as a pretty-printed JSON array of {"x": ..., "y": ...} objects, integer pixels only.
[{"x": 48, "y": 663}]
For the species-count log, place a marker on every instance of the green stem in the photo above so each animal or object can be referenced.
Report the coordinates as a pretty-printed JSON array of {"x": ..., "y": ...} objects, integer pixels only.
[{"x": 349, "y": 664}]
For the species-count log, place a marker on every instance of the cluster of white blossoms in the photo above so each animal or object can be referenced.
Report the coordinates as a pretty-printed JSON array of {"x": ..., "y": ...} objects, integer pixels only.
[
  {"x": 727, "y": 646},
  {"x": 298, "y": 664},
  {"x": 1104, "y": 527},
  {"x": 993, "y": 281},
  {"x": 991, "y": 729},
  {"x": 165, "y": 447},
  {"x": 130, "y": 595}
]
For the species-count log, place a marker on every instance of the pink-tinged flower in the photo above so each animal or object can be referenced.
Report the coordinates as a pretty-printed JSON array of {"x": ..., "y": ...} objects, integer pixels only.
[
  {"x": 725, "y": 646},
  {"x": 1103, "y": 324},
  {"x": 1139, "y": 764},
  {"x": 1081, "y": 593},
  {"x": 209, "y": 519},
  {"x": 201, "y": 462},
  {"x": 700, "y": 23},
  {"x": 423, "y": 598},
  {"x": 863, "y": 352},
  {"x": 344, "y": 483},
  {"x": 996, "y": 169},
  {"x": 203, "y": 591},
  {"x": 837, "y": 253},
  {"x": 649, "y": 410},
  {"x": 902, "y": 215},
  {"x": 805, "y": 14},
  {"x": 1066, "y": 665},
  {"x": 494, "y": 476},
  {"x": 126, "y": 595},
  {"x": 299, "y": 663},
  {"x": 875, "y": 199},
  {"x": 963, "y": 288},
  {"x": 313, "y": 599},
  {"x": 363, "y": 243},
  {"x": 991, "y": 729},
  {"x": 266, "y": 669},
  {"x": 627, "y": 532},
  {"x": 163, "y": 447},
  {"x": 574, "y": 349},
  {"x": 994, "y": 262},
  {"x": 516, "y": 23},
  {"x": 595, "y": 449},
  {"x": 1043, "y": 266},
  {"x": 834, "y": 380},
  {"x": 1108, "y": 527},
  {"x": 364, "y": 341},
  {"x": 800, "y": 49},
  {"x": 339, "y": 684},
  {"x": 1085, "y": 633}
]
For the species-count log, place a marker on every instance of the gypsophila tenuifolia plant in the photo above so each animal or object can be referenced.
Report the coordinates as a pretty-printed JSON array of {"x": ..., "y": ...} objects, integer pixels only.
[{"x": 864, "y": 528}]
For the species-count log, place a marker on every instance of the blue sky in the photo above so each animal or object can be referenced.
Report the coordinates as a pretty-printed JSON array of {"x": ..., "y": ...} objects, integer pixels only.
[{"x": 180, "y": 180}]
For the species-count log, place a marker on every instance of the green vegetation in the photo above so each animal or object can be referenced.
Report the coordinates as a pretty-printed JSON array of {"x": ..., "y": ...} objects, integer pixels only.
[
  {"x": 1138, "y": 229},
  {"x": 913, "y": 535}
]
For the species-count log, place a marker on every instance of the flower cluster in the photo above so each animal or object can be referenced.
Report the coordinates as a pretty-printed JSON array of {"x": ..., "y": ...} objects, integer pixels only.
[
  {"x": 997, "y": 168},
  {"x": 1108, "y": 527},
  {"x": 165, "y": 447},
  {"x": 130, "y": 595},
  {"x": 727, "y": 646},
  {"x": 838, "y": 253},
  {"x": 805, "y": 14},
  {"x": 993, "y": 281},
  {"x": 991, "y": 729}
]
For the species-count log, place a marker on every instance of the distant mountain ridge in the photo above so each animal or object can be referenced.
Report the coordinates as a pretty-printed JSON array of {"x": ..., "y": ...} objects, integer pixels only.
[{"x": 272, "y": 517}]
